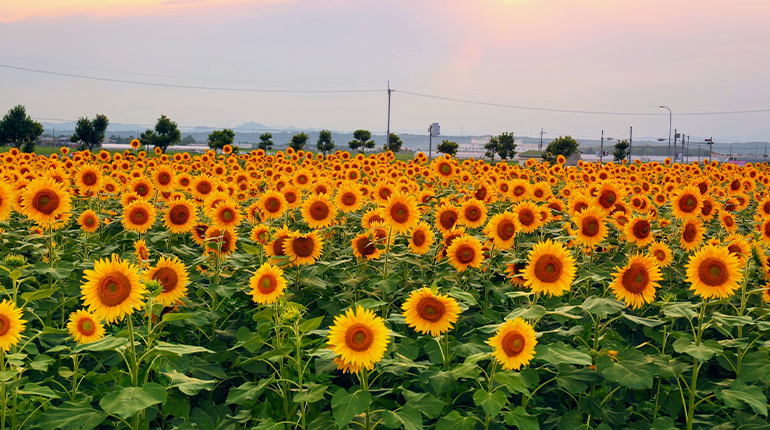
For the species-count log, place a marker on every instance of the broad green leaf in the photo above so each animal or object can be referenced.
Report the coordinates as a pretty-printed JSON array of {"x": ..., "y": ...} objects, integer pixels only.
[
  {"x": 269, "y": 424},
  {"x": 730, "y": 321},
  {"x": 602, "y": 307},
  {"x": 426, "y": 403},
  {"x": 125, "y": 402},
  {"x": 346, "y": 406},
  {"x": 635, "y": 371},
  {"x": 647, "y": 322},
  {"x": 532, "y": 313},
  {"x": 663, "y": 423},
  {"x": 38, "y": 295},
  {"x": 188, "y": 385},
  {"x": 107, "y": 343},
  {"x": 41, "y": 362},
  {"x": 180, "y": 349},
  {"x": 71, "y": 416},
  {"x": 576, "y": 380},
  {"x": 172, "y": 316},
  {"x": 702, "y": 352},
  {"x": 755, "y": 367},
  {"x": 310, "y": 325},
  {"x": 679, "y": 310},
  {"x": 455, "y": 421},
  {"x": 32, "y": 389},
  {"x": 512, "y": 381},
  {"x": 314, "y": 393},
  {"x": 247, "y": 391},
  {"x": 560, "y": 353},
  {"x": 492, "y": 403},
  {"x": 521, "y": 419},
  {"x": 407, "y": 418},
  {"x": 740, "y": 393}
]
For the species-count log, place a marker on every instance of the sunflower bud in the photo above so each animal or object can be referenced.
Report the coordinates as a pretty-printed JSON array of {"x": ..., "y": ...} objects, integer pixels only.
[
  {"x": 154, "y": 287},
  {"x": 14, "y": 261}
]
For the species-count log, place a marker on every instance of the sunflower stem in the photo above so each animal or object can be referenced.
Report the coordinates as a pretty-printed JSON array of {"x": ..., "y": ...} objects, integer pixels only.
[
  {"x": 135, "y": 367},
  {"x": 696, "y": 365}
]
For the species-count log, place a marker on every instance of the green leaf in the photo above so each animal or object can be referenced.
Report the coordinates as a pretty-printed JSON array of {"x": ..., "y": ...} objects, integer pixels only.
[
  {"x": 740, "y": 393},
  {"x": 180, "y": 349},
  {"x": 41, "y": 362},
  {"x": 314, "y": 393},
  {"x": 408, "y": 417},
  {"x": 38, "y": 295},
  {"x": 188, "y": 385},
  {"x": 560, "y": 353},
  {"x": 521, "y": 419},
  {"x": 269, "y": 424},
  {"x": 71, "y": 416},
  {"x": 346, "y": 406},
  {"x": 730, "y": 321},
  {"x": 492, "y": 403},
  {"x": 635, "y": 371},
  {"x": 663, "y": 423},
  {"x": 702, "y": 352},
  {"x": 32, "y": 389},
  {"x": 576, "y": 380},
  {"x": 176, "y": 405},
  {"x": 755, "y": 367},
  {"x": 532, "y": 313},
  {"x": 311, "y": 324},
  {"x": 426, "y": 403},
  {"x": 171, "y": 316},
  {"x": 125, "y": 402},
  {"x": 647, "y": 322},
  {"x": 107, "y": 343},
  {"x": 679, "y": 310},
  {"x": 455, "y": 421},
  {"x": 247, "y": 391},
  {"x": 602, "y": 307},
  {"x": 512, "y": 381}
]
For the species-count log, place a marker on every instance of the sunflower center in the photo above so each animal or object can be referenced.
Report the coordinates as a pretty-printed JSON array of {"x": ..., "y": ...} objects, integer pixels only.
[
  {"x": 365, "y": 247},
  {"x": 734, "y": 249},
  {"x": 86, "y": 327},
  {"x": 272, "y": 204},
  {"x": 607, "y": 199},
  {"x": 142, "y": 190},
  {"x": 581, "y": 206},
  {"x": 641, "y": 229},
  {"x": 303, "y": 246},
  {"x": 539, "y": 193},
  {"x": 359, "y": 337},
  {"x": 659, "y": 254},
  {"x": 319, "y": 211},
  {"x": 302, "y": 179},
  {"x": 636, "y": 278},
  {"x": 506, "y": 229},
  {"x": 765, "y": 207},
  {"x": 179, "y": 214},
  {"x": 203, "y": 187},
  {"x": 278, "y": 246},
  {"x": 348, "y": 199},
  {"x": 400, "y": 212},
  {"x": 473, "y": 213},
  {"x": 267, "y": 284},
  {"x": 445, "y": 169},
  {"x": 465, "y": 254},
  {"x": 5, "y": 324},
  {"x": 513, "y": 343},
  {"x": 590, "y": 226},
  {"x": 430, "y": 309},
  {"x": 46, "y": 201},
  {"x": 735, "y": 185},
  {"x": 138, "y": 216},
  {"x": 689, "y": 232},
  {"x": 89, "y": 178},
  {"x": 164, "y": 178},
  {"x": 89, "y": 221},
  {"x": 418, "y": 238},
  {"x": 526, "y": 217},
  {"x": 447, "y": 219},
  {"x": 519, "y": 190},
  {"x": 480, "y": 194},
  {"x": 688, "y": 203},
  {"x": 167, "y": 277},
  {"x": 227, "y": 214},
  {"x": 729, "y": 221},
  {"x": 713, "y": 272},
  {"x": 548, "y": 268},
  {"x": 114, "y": 289}
]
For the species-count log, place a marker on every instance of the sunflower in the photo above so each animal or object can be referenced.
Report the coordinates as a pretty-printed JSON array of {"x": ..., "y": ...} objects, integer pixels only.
[
  {"x": 591, "y": 228},
  {"x": 608, "y": 195},
  {"x": 430, "y": 313},
  {"x": 519, "y": 190},
  {"x": 692, "y": 234},
  {"x": 515, "y": 272},
  {"x": 728, "y": 222},
  {"x": 662, "y": 254},
  {"x": 359, "y": 337},
  {"x": 6, "y": 200},
  {"x": 85, "y": 327},
  {"x": 272, "y": 204},
  {"x": 348, "y": 197},
  {"x": 527, "y": 216},
  {"x": 473, "y": 213},
  {"x": 421, "y": 239},
  {"x": 172, "y": 276},
  {"x": 514, "y": 344},
  {"x": 112, "y": 289},
  {"x": 372, "y": 217},
  {"x": 446, "y": 217},
  {"x": 181, "y": 215},
  {"x": 638, "y": 230},
  {"x": 260, "y": 234},
  {"x": 764, "y": 230},
  {"x": 135, "y": 143},
  {"x": 275, "y": 247},
  {"x": 11, "y": 325},
  {"x": 226, "y": 214},
  {"x": 637, "y": 281},
  {"x": 550, "y": 269},
  {"x": 267, "y": 284},
  {"x": 141, "y": 186},
  {"x": 44, "y": 200},
  {"x": 141, "y": 251},
  {"x": 220, "y": 241},
  {"x": 766, "y": 295},
  {"x": 138, "y": 216},
  {"x": 88, "y": 178},
  {"x": 401, "y": 212},
  {"x": 687, "y": 202},
  {"x": 317, "y": 211},
  {"x": 303, "y": 248},
  {"x": 88, "y": 221},
  {"x": 202, "y": 186},
  {"x": 714, "y": 272},
  {"x": 501, "y": 230},
  {"x": 164, "y": 178},
  {"x": 738, "y": 246},
  {"x": 465, "y": 252},
  {"x": 365, "y": 246}
]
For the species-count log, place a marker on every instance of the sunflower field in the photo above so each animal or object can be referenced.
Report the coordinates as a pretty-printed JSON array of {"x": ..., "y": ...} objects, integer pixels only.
[{"x": 300, "y": 291}]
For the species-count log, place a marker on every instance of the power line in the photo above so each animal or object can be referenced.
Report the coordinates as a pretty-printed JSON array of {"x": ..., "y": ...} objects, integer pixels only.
[{"x": 189, "y": 87}]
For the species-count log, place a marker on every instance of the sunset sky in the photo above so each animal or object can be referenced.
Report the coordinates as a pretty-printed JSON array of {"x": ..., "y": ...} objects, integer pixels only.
[{"x": 587, "y": 55}]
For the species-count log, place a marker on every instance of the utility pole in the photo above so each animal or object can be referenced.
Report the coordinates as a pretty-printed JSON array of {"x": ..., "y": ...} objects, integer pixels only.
[
  {"x": 683, "y": 150},
  {"x": 710, "y": 141},
  {"x": 688, "y": 148},
  {"x": 387, "y": 134},
  {"x": 676, "y": 135},
  {"x": 601, "y": 149},
  {"x": 540, "y": 147},
  {"x": 630, "y": 143}
]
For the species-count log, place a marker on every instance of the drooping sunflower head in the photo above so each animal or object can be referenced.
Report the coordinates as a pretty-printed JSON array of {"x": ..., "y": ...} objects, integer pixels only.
[
  {"x": 515, "y": 273},
  {"x": 220, "y": 241},
  {"x": 172, "y": 276},
  {"x": 401, "y": 212},
  {"x": 318, "y": 211},
  {"x": 267, "y": 284},
  {"x": 139, "y": 216},
  {"x": 430, "y": 313},
  {"x": 88, "y": 221},
  {"x": 303, "y": 248},
  {"x": 636, "y": 282},
  {"x": 359, "y": 337},
  {"x": 85, "y": 327},
  {"x": 514, "y": 344},
  {"x": 112, "y": 289},
  {"x": 550, "y": 269},
  {"x": 275, "y": 247},
  {"x": 11, "y": 325},
  {"x": 260, "y": 234},
  {"x": 713, "y": 272},
  {"x": 465, "y": 252}
]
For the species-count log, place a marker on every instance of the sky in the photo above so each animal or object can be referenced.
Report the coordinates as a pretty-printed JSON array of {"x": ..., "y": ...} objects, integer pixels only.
[{"x": 613, "y": 57}]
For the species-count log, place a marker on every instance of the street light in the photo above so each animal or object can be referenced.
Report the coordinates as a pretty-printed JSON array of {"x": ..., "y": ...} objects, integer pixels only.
[{"x": 670, "y": 120}]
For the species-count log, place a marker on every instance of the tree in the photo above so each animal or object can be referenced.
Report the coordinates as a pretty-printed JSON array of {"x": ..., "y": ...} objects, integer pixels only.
[
  {"x": 189, "y": 140},
  {"x": 265, "y": 141},
  {"x": 19, "y": 129},
  {"x": 298, "y": 141},
  {"x": 506, "y": 145},
  {"x": 394, "y": 143},
  {"x": 165, "y": 134},
  {"x": 447, "y": 147},
  {"x": 362, "y": 141},
  {"x": 90, "y": 133},
  {"x": 219, "y": 138},
  {"x": 491, "y": 147},
  {"x": 621, "y": 151},
  {"x": 565, "y": 146},
  {"x": 325, "y": 142}
]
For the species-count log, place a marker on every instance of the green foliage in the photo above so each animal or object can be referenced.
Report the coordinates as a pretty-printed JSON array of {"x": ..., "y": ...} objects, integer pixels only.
[
  {"x": 219, "y": 138},
  {"x": 19, "y": 129},
  {"x": 621, "y": 151},
  {"x": 265, "y": 141},
  {"x": 90, "y": 133},
  {"x": 394, "y": 143},
  {"x": 325, "y": 143},
  {"x": 166, "y": 133},
  {"x": 565, "y": 146},
  {"x": 362, "y": 141},
  {"x": 188, "y": 140},
  {"x": 298, "y": 141},
  {"x": 447, "y": 147},
  {"x": 503, "y": 146}
]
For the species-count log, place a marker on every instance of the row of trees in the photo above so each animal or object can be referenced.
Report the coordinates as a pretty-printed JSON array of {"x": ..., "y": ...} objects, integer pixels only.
[
  {"x": 502, "y": 145},
  {"x": 362, "y": 141}
]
